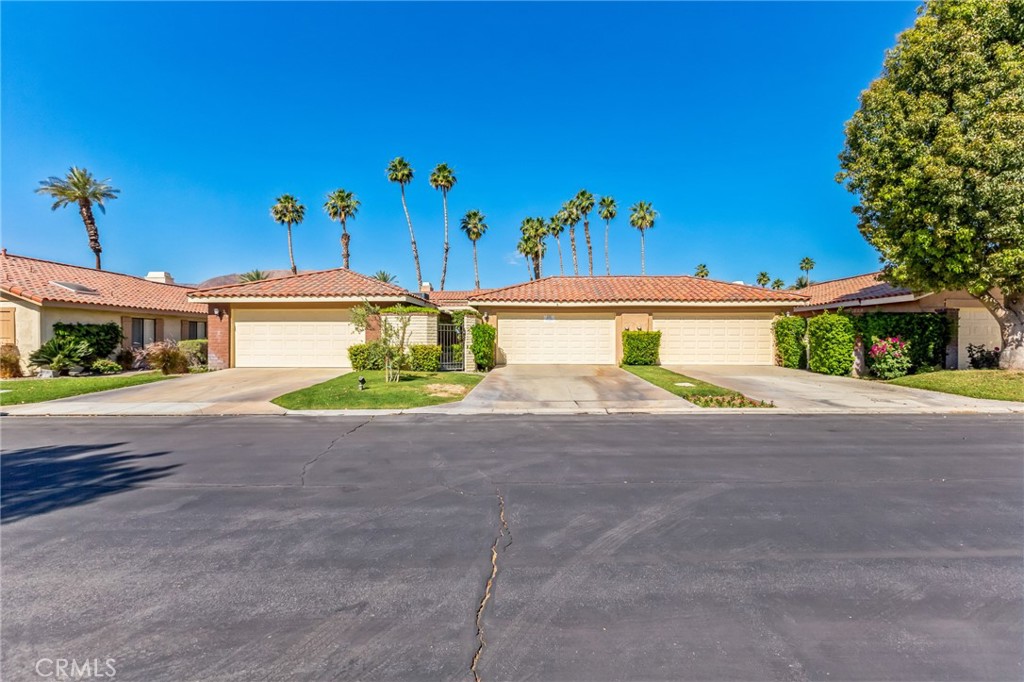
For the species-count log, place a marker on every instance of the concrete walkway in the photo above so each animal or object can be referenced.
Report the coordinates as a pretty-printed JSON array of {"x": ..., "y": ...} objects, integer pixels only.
[
  {"x": 801, "y": 391},
  {"x": 229, "y": 391}
]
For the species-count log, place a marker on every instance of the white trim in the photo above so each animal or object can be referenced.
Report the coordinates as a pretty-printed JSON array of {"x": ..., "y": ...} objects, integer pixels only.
[
  {"x": 307, "y": 299},
  {"x": 862, "y": 302},
  {"x": 643, "y": 304}
]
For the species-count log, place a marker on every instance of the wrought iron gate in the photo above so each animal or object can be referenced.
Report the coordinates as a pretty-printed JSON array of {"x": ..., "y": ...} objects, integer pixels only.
[{"x": 449, "y": 337}]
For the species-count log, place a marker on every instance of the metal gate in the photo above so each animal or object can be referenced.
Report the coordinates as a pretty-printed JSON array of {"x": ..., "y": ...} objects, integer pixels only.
[{"x": 449, "y": 337}]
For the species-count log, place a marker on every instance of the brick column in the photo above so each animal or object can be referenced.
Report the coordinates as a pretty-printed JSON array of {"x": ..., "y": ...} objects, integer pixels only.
[{"x": 218, "y": 332}]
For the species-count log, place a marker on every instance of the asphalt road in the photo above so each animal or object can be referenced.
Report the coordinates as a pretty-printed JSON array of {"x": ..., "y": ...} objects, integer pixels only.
[{"x": 637, "y": 548}]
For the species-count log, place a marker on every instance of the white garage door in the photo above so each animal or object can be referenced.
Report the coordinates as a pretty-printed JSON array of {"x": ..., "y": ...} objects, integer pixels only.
[
  {"x": 557, "y": 339},
  {"x": 978, "y": 327},
  {"x": 293, "y": 338},
  {"x": 715, "y": 339}
]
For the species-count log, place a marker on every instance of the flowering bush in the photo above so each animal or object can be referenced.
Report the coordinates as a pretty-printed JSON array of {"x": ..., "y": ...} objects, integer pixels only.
[
  {"x": 890, "y": 357},
  {"x": 981, "y": 358}
]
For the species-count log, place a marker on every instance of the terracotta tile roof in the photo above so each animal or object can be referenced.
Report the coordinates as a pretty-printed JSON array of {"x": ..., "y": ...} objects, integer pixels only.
[
  {"x": 36, "y": 280},
  {"x": 850, "y": 290},
  {"x": 336, "y": 283},
  {"x": 627, "y": 288},
  {"x": 454, "y": 297}
]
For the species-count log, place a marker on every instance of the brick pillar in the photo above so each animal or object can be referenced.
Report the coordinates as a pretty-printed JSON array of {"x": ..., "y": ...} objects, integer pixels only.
[
  {"x": 372, "y": 329},
  {"x": 218, "y": 331},
  {"x": 468, "y": 322}
]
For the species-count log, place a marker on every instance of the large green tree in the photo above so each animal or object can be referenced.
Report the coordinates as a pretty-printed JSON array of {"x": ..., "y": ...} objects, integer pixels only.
[
  {"x": 474, "y": 225},
  {"x": 935, "y": 154},
  {"x": 342, "y": 205},
  {"x": 399, "y": 171},
  {"x": 288, "y": 211},
  {"x": 79, "y": 187},
  {"x": 608, "y": 209},
  {"x": 443, "y": 178}
]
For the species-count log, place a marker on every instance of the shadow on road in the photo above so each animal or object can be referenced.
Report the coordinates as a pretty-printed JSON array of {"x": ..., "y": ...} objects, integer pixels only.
[{"x": 40, "y": 480}]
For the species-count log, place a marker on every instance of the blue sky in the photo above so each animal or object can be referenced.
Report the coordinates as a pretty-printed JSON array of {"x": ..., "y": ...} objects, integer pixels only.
[{"x": 727, "y": 116}]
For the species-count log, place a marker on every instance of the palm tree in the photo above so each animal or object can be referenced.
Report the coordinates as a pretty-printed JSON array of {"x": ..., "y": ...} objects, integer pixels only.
[
  {"x": 571, "y": 214},
  {"x": 701, "y": 271},
  {"x": 525, "y": 249},
  {"x": 341, "y": 206},
  {"x": 288, "y": 211},
  {"x": 474, "y": 226},
  {"x": 80, "y": 187},
  {"x": 443, "y": 178},
  {"x": 778, "y": 284},
  {"x": 806, "y": 265},
  {"x": 555, "y": 227},
  {"x": 385, "y": 276},
  {"x": 763, "y": 278},
  {"x": 642, "y": 216},
  {"x": 535, "y": 230},
  {"x": 401, "y": 172},
  {"x": 256, "y": 275},
  {"x": 801, "y": 282},
  {"x": 585, "y": 204},
  {"x": 607, "y": 209}
]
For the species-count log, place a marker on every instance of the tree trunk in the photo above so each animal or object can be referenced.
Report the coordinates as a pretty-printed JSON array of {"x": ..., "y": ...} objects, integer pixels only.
[
  {"x": 529, "y": 268},
  {"x": 344, "y": 245},
  {"x": 412, "y": 238},
  {"x": 590, "y": 250},
  {"x": 607, "y": 261},
  {"x": 444, "y": 261},
  {"x": 1010, "y": 316},
  {"x": 536, "y": 265},
  {"x": 476, "y": 268},
  {"x": 291, "y": 253},
  {"x": 643, "y": 271},
  {"x": 85, "y": 209},
  {"x": 561, "y": 267},
  {"x": 572, "y": 247}
]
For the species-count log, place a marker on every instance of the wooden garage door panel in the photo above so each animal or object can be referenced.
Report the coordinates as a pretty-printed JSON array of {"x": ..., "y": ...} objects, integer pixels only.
[
  {"x": 262, "y": 341},
  {"x": 715, "y": 339},
  {"x": 560, "y": 338}
]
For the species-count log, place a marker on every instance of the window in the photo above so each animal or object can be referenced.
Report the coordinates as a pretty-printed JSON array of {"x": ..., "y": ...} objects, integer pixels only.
[
  {"x": 196, "y": 330},
  {"x": 143, "y": 331}
]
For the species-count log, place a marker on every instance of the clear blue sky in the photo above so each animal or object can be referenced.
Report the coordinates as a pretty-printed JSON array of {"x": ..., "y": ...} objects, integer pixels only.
[{"x": 727, "y": 116}]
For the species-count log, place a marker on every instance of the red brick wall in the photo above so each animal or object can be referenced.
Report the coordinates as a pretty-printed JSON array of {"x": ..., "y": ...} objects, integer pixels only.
[{"x": 218, "y": 331}]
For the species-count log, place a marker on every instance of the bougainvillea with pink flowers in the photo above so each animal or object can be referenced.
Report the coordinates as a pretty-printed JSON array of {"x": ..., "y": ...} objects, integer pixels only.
[{"x": 890, "y": 357}]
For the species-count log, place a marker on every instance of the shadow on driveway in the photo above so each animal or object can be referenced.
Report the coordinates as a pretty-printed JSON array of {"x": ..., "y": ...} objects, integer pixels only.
[{"x": 40, "y": 480}]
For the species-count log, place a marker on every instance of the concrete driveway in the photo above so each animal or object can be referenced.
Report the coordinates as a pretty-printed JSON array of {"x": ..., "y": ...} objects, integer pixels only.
[
  {"x": 809, "y": 392},
  {"x": 566, "y": 388},
  {"x": 228, "y": 391}
]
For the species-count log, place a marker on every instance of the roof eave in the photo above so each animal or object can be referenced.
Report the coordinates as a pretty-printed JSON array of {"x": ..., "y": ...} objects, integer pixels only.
[
  {"x": 412, "y": 300},
  {"x": 662, "y": 304},
  {"x": 863, "y": 302}
]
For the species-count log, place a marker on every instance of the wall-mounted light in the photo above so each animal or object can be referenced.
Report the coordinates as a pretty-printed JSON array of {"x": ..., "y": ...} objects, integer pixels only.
[{"x": 217, "y": 312}]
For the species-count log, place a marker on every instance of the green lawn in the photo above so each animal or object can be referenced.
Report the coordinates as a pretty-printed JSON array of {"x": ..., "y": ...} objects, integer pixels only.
[
  {"x": 38, "y": 390},
  {"x": 993, "y": 384},
  {"x": 701, "y": 393},
  {"x": 416, "y": 389}
]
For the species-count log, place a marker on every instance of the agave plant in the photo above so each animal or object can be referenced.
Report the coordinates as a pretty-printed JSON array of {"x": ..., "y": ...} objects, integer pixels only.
[{"x": 60, "y": 353}]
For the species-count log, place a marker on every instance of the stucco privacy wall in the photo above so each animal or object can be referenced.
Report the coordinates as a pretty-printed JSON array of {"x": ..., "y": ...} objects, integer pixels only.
[
  {"x": 26, "y": 326},
  {"x": 422, "y": 328}
]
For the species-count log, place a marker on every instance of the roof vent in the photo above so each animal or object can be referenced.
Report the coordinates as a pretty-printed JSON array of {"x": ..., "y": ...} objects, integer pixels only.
[
  {"x": 738, "y": 281},
  {"x": 161, "y": 277},
  {"x": 77, "y": 288}
]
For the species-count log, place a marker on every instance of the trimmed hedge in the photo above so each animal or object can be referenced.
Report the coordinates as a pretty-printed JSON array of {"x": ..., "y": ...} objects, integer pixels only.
[
  {"x": 641, "y": 348},
  {"x": 927, "y": 334},
  {"x": 482, "y": 346},
  {"x": 424, "y": 358},
  {"x": 409, "y": 310},
  {"x": 196, "y": 350},
  {"x": 831, "y": 339},
  {"x": 789, "y": 342},
  {"x": 103, "y": 339},
  {"x": 366, "y": 356}
]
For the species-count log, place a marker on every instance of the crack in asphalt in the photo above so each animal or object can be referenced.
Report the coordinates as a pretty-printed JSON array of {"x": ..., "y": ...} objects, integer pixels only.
[
  {"x": 503, "y": 531},
  {"x": 305, "y": 467}
]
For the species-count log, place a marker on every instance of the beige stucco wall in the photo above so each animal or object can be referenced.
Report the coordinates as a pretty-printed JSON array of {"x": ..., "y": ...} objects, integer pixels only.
[
  {"x": 422, "y": 329},
  {"x": 26, "y": 326}
]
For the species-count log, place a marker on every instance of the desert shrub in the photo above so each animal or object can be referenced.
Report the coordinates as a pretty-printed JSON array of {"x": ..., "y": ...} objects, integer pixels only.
[
  {"x": 890, "y": 357},
  {"x": 483, "y": 346},
  {"x": 125, "y": 358},
  {"x": 365, "y": 356},
  {"x": 830, "y": 343},
  {"x": 10, "y": 361},
  {"x": 196, "y": 350},
  {"x": 927, "y": 335},
  {"x": 424, "y": 358},
  {"x": 166, "y": 357},
  {"x": 104, "y": 366},
  {"x": 60, "y": 353},
  {"x": 102, "y": 339},
  {"x": 789, "y": 342},
  {"x": 980, "y": 358},
  {"x": 641, "y": 348}
]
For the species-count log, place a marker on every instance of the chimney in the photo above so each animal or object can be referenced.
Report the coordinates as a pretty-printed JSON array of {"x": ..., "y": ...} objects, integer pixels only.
[
  {"x": 426, "y": 288},
  {"x": 161, "y": 277}
]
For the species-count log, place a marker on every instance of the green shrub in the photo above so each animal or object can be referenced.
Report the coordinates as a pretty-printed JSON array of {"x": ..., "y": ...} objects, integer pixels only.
[
  {"x": 166, "y": 357},
  {"x": 483, "y": 346},
  {"x": 831, "y": 340},
  {"x": 10, "y": 361},
  {"x": 104, "y": 366},
  {"x": 366, "y": 356},
  {"x": 890, "y": 357},
  {"x": 980, "y": 358},
  {"x": 641, "y": 348},
  {"x": 424, "y": 358},
  {"x": 102, "y": 339},
  {"x": 456, "y": 350},
  {"x": 789, "y": 342},
  {"x": 459, "y": 317},
  {"x": 927, "y": 334},
  {"x": 409, "y": 310},
  {"x": 196, "y": 350},
  {"x": 126, "y": 358},
  {"x": 60, "y": 353}
]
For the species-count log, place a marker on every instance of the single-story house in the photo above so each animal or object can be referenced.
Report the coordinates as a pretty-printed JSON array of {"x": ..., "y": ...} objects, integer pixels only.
[
  {"x": 579, "y": 320},
  {"x": 300, "y": 321},
  {"x": 35, "y": 294},
  {"x": 452, "y": 299},
  {"x": 974, "y": 324}
]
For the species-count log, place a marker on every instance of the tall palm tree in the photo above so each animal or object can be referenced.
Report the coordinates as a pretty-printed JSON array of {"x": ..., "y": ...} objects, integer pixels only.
[
  {"x": 778, "y": 284},
  {"x": 585, "y": 204},
  {"x": 801, "y": 282},
  {"x": 288, "y": 211},
  {"x": 806, "y": 265},
  {"x": 571, "y": 213},
  {"x": 443, "y": 178},
  {"x": 555, "y": 227},
  {"x": 81, "y": 188},
  {"x": 535, "y": 230},
  {"x": 607, "y": 209},
  {"x": 763, "y": 278},
  {"x": 701, "y": 271},
  {"x": 525, "y": 249},
  {"x": 642, "y": 216},
  {"x": 401, "y": 172},
  {"x": 385, "y": 276},
  {"x": 341, "y": 206},
  {"x": 255, "y": 275},
  {"x": 474, "y": 226}
]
